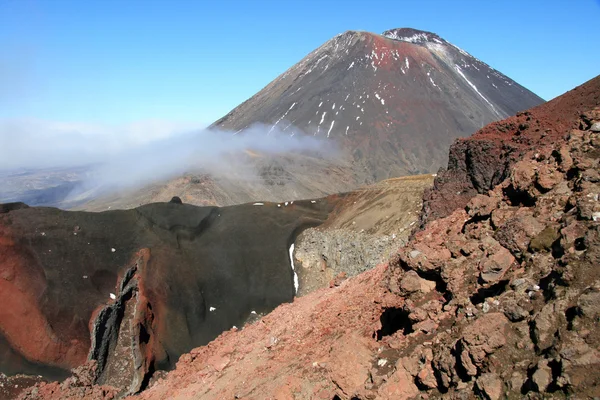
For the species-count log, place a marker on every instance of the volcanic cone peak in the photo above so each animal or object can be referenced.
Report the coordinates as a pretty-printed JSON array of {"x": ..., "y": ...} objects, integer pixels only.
[
  {"x": 393, "y": 102},
  {"x": 413, "y": 36}
]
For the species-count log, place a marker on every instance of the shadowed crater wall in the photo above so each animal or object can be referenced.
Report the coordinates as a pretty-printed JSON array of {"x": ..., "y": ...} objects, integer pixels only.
[{"x": 204, "y": 270}]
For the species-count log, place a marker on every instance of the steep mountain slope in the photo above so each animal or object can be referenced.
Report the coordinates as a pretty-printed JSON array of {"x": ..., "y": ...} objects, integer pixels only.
[
  {"x": 363, "y": 230},
  {"x": 393, "y": 102}
]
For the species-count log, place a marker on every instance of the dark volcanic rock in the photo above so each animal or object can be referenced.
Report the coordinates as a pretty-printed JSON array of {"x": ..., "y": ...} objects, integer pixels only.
[{"x": 149, "y": 283}]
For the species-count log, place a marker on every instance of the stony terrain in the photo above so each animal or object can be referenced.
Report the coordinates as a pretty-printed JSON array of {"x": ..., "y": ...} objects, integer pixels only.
[
  {"x": 498, "y": 298},
  {"x": 482, "y": 161},
  {"x": 364, "y": 229}
]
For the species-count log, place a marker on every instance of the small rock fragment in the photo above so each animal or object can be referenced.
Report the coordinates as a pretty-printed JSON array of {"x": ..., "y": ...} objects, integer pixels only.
[
  {"x": 542, "y": 377},
  {"x": 490, "y": 385}
]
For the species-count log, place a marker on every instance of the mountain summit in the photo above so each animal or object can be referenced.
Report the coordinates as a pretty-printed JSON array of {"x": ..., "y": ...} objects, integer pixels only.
[
  {"x": 391, "y": 104},
  {"x": 394, "y": 102}
]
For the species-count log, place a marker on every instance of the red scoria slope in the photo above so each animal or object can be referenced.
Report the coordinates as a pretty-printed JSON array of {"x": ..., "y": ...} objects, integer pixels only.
[
  {"x": 482, "y": 161},
  {"x": 498, "y": 299}
]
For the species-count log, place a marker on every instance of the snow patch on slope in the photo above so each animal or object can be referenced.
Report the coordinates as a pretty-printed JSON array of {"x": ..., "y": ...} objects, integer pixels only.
[
  {"x": 330, "y": 128},
  {"x": 475, "y": 89},
  {"x": 291, "y": 251},
  {"x": 282, "y": 117}
]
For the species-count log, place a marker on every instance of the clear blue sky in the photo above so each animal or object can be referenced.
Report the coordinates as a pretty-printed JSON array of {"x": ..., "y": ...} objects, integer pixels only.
[{"x": 118, "y": 62}]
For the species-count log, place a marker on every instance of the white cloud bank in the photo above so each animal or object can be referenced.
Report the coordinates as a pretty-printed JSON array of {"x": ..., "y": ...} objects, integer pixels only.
[{"x": 140, "y": 153}]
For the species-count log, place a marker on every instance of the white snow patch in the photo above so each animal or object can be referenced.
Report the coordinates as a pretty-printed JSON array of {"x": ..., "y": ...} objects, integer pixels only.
[
  {"x": 416, "y": 38},
  {"x": 380, "y": 99},
  {"x": 293, "y": 269},
  {"x": 258, "y": 204},
  {"x": 285, "y": 204},
  {"x": 323, "y": 117},
  {"x": 351, "y": 65},
  {"x": 320, "y": 104},
  {"x": 112, "y": 296},
  {"x": 433, "y": 83},
  {"x": 313, "y": 201},
  {"x": 316, "y": 63},
  {"x": 282, "y": 117},
  {"x": 406, "y": 62},
  {"x": 475, "y": 88},
  {"x": 112, "y": 250},
  {"x": 330, "y": 128},
  {"x": 211, "y": 309},
  {"x": 347, "y": 130},
  {"x": 333, "y": 108}
]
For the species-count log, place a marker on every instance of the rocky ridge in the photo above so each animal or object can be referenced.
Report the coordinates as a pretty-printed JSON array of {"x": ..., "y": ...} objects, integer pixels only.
[
  {"x": 482, "y": 161},
  {"x": 363, "y": 230}
]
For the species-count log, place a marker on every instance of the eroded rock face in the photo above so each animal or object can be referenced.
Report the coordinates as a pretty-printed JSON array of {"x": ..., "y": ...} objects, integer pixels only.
[
  {"x": 365, "y": 229},
  {"x": 484, "y": 160},
  {"x": 133, "y": 290}
]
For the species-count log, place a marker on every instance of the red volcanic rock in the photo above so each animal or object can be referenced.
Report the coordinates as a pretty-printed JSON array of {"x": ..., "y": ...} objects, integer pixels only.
[
  {"x": 22, "y": 281},
  {"x": 479, "y": 163},
  {"x": 295, "y": 337}
]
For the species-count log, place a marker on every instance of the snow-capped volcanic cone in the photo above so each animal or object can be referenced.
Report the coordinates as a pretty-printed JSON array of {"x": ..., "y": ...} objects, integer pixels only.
[
  {"x": 390, "y": 104},
  {"x": 394, "y": 102}
]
